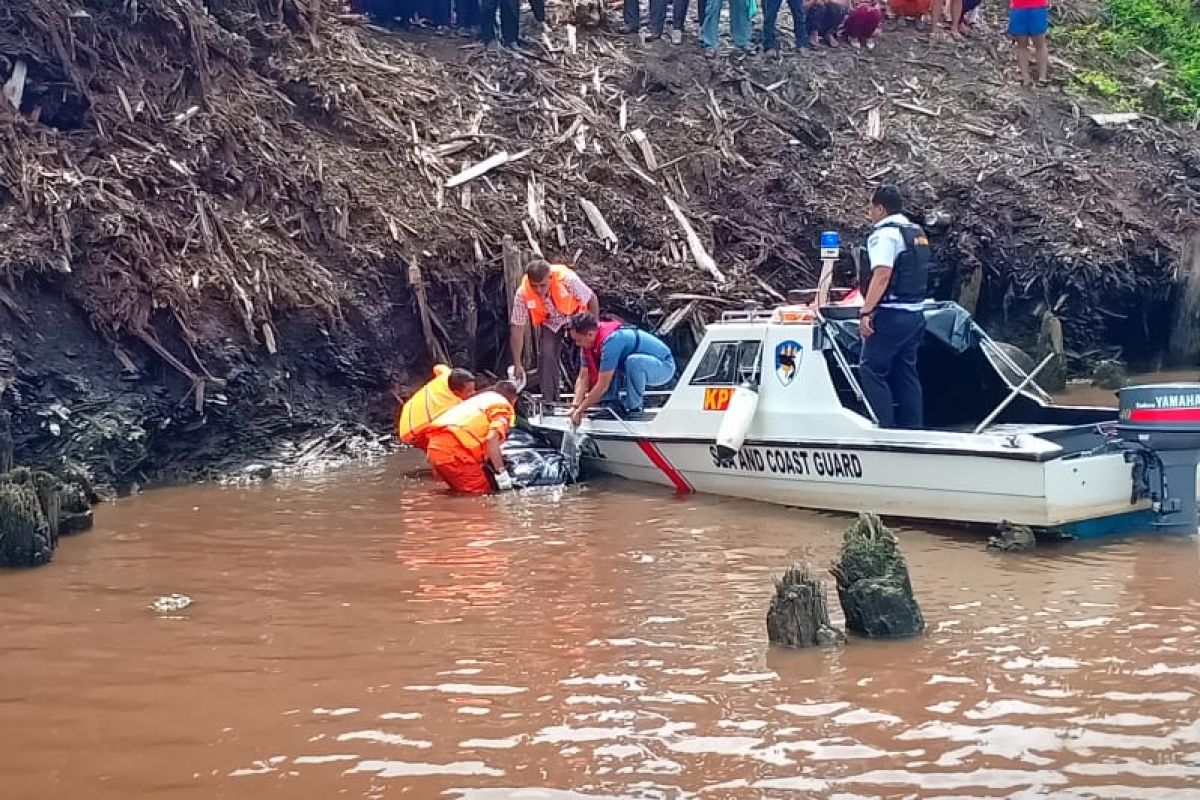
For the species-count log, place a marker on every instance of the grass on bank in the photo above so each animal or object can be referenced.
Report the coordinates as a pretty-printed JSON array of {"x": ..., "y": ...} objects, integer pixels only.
[{"x": 1121, "y": 45}]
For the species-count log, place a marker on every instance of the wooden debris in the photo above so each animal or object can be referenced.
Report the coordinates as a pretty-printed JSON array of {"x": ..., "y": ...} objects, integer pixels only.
[
  {"x": 672, "y": 320},
  {"x": 483, "y": 167},
  {"x": 417, "y": 282},
  {"x": 701, "y": 256},
  {"x": 978, "y": 129},
  {"x": 531, "y": 239},
  {"x": 1114, "y": 120},
  {"x": 599, "y": 224},
  {"x": 875, "y": 124},
  {"x": 929, "y": 112},
  {"x": 513, "y": 274},
  {"x": 535, "y": 198},
  {"x": 643, "y": 143},
  {"x": 14, "y": 88}
]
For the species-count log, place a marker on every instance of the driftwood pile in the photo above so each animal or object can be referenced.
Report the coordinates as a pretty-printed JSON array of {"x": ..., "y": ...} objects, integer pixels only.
[{"x": 190, "y": 171}]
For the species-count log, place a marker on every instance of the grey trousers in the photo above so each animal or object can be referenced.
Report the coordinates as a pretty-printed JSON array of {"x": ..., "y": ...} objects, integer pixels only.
[{"x": 549, "y": 355}]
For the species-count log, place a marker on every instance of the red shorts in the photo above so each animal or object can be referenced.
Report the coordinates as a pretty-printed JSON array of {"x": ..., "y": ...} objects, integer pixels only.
[
  {"x": 862, "y": 22},
  {"x": 455, "y": 466},
  {"x": 910, "y": 8}
]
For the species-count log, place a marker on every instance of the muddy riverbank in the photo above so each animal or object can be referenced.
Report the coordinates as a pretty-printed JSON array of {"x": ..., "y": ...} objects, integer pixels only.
[
  {"x": 232, "y": 257},
  {"x": 362, "y": 633}
]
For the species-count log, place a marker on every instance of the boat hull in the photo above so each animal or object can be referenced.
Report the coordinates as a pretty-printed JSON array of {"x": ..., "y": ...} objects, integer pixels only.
[{"x": 952, "y": 487}]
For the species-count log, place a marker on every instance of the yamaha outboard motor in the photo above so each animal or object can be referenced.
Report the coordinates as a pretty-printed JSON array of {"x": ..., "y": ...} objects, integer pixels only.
[{"x": 1163, "y": 420}]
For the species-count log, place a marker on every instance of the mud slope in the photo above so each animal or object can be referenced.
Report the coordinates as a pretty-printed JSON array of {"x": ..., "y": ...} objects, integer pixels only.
[{"x": 212, "y": 222}]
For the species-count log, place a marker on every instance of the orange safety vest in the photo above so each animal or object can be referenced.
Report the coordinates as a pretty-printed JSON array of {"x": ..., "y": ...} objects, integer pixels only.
[
  {"x": 469, "y": 423},
  {"x": 426, "y": 404},
  {"x": 560, "y": 295}
]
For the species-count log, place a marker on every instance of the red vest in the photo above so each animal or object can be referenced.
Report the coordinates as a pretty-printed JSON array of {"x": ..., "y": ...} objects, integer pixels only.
[{"x": 591, "y": 356}]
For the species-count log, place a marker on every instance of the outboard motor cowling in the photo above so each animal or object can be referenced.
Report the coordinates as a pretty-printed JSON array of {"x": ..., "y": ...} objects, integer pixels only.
[{"x": 1165, "y": 420}]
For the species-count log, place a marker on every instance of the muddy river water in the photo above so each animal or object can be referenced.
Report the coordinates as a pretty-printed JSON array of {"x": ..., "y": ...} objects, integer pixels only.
[{"x": 361, "y": 634}]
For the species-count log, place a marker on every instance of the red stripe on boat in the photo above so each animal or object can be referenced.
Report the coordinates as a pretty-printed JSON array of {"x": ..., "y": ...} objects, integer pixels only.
[
  {"x": 659, "y": 460},
  {"x": 1165, "y": 415}
]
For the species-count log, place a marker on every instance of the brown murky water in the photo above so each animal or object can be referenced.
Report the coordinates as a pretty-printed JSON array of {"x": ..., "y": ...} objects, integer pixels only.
[{"x": 360, "y": 634}]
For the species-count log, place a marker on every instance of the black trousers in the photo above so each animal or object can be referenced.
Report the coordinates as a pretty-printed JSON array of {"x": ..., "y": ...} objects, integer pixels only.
[
  {"x": 539, "y": 9},
  {"x": 632, "y": 14},
  {"x": 771, "y": 18},
  {"x": 887, "y": 368},
  {"x": 437, "y": 12},
  {"x": 467, "y": 13},
  {"x": 510, "y": 20},
  {"x": 391, "y": 12},
  {"x": 679, "y": 13}
]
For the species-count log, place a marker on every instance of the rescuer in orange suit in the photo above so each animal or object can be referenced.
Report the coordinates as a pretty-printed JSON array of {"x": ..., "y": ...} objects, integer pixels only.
[
  {"x": 463, "y": 439},
  {"x": 448, "y": 388}
]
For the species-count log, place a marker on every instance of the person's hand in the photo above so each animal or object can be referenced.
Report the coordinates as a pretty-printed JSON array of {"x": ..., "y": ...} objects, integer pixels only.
[
  {"x": 504, "y": 481},
  {"x": 576, "y": 416},
  {"x": 866, "y": 325},
  {"x": 518, "y": 373}
]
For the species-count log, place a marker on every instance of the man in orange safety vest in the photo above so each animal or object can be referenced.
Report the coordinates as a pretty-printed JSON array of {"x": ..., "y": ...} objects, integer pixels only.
[
  {"x": 448, "y": 388},
  {"x": 549, "y": 294}
]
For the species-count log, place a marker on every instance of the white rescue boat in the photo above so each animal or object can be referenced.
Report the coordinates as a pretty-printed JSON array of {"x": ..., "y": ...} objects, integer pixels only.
[{"x": 769, "y": 408}]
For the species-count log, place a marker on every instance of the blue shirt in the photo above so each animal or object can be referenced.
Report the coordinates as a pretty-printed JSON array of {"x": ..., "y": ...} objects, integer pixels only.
[{"x": 624, "y": 342}]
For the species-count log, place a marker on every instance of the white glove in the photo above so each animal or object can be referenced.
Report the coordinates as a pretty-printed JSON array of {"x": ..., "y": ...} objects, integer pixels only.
[
  {"x": 512, "y": 376},
  {"x": 504, "y": 481}
]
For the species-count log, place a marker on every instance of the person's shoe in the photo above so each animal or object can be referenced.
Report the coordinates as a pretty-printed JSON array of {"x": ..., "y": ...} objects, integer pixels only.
[
  {"x": 542, "y": 29},
  {"x": 676, "y": 36},
  {"x": 492, "y": 47},
  {"x": 712, "y": 52},
  {"x": 870, "y": 44},
  {"x": 856, "y": 44}
]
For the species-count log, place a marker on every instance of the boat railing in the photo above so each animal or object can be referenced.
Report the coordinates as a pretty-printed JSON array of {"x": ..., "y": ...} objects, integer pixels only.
[
  {"x": 753, "y": 312},
  {"x": 748, "y": 315}
]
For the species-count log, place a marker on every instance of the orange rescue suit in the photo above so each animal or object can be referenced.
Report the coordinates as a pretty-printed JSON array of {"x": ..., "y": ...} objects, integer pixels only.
[
  {"x": 566, "y": 303},
  {"x": 456, "y": 448},
  {"x": 426, "y": 404}
]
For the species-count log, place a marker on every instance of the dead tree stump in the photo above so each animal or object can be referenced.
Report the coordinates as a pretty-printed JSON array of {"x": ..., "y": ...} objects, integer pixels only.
[
  {"x": 25, "y": 539},
  {"x": 1053, "y": 377},
  {"x": 1184, "y": 344},
  {"x": 873, "y": 584},
  {"x": 799, "y": 614}
]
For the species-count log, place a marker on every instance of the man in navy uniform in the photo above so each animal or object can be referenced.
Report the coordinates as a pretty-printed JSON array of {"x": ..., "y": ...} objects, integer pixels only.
[{"x": 892, "y": 322}]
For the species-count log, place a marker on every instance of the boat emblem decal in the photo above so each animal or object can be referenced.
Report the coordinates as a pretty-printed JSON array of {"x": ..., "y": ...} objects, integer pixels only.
[{"x": 787, "y": 360}]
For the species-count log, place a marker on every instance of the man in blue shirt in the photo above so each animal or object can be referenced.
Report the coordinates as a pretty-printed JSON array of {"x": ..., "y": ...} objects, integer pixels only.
[{"x": 618, "y": 359}]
